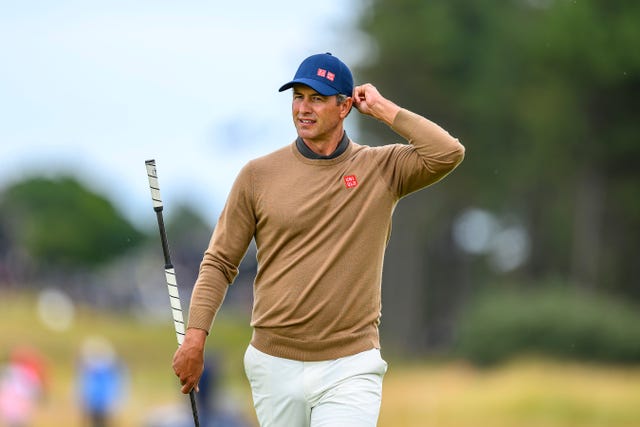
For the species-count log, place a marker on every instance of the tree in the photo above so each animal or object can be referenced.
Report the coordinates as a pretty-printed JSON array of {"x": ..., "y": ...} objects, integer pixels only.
[
  {"x": 62, "y": 225},
  {"x": 543, "y": 94}
]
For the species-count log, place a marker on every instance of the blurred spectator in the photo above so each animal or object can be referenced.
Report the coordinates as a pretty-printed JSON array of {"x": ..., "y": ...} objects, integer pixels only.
[
  {"x": 215, "y": 408},
  {"x": 206, "y": 395},
  {"x": 102, "y": 380},
  {"x": 22, "y": 385}
]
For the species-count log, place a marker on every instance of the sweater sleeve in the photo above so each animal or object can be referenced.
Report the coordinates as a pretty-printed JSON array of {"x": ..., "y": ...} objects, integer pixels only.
[
  {"x": 227, "y": 247},
  {"x": 430, "y": 155}
]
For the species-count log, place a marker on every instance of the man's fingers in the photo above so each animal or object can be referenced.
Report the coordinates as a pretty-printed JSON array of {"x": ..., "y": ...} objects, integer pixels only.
[
  {"x": 187, "y": 387},
  {"x": 188, "y": 382}
]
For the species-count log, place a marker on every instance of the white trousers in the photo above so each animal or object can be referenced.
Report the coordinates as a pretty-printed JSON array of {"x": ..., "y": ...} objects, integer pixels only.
[{"x": 344, "y": 392}]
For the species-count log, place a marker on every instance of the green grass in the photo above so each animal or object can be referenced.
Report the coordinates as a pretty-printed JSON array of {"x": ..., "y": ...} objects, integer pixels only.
[
  {"x": 146, "y": 347},
  {"x": 522, "y": 393}
]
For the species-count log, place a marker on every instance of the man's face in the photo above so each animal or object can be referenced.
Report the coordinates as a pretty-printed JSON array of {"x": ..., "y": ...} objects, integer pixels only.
[{"x": 318, "y": 118}]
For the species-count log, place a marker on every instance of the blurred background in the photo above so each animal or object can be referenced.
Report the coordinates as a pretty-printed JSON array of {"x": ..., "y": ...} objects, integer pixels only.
[{"x": 511, "y": 289}]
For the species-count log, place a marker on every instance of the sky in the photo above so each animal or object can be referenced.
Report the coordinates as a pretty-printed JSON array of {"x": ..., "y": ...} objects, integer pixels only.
[{"x": 92, "y": 89}]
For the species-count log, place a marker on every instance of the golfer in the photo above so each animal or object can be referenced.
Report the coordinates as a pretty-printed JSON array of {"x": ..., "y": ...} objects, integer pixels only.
[{"x": 320, "y": 212}]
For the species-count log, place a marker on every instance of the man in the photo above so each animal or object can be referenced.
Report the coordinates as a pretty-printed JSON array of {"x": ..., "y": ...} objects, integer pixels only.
[{"x": 320, "y": 212}]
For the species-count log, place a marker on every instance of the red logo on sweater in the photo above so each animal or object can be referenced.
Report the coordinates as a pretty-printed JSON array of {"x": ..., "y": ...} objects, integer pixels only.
[{"x": 350, "y": 181}]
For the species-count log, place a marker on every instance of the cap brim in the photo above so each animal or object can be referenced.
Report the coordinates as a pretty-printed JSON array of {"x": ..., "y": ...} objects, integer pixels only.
[{"x": 321, "y": 88}]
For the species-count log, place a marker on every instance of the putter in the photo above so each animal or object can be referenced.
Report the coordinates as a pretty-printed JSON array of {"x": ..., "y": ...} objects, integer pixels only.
[{"x": 170, "y": 274}]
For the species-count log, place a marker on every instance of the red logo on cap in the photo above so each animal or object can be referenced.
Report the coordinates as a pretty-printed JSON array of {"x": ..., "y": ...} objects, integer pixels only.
[
  {"x": 330, "y": 75},
  {"x": 350, "y": 181},
  {"x": 321, "y": 72}
]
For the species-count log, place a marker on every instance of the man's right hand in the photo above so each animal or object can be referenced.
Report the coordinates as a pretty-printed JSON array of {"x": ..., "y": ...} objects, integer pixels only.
[
  {"x": 368, "y": 101},
  {"x": 188, "y": 360}
]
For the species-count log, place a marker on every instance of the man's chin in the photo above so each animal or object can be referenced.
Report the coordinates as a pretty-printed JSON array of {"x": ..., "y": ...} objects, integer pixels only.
[{"x": 305, "y": 134}]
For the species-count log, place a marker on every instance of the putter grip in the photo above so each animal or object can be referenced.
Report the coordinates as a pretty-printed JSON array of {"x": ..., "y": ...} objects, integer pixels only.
[
  {"x": 154, "y": 186},
  {"x": 174, "y": 300}
]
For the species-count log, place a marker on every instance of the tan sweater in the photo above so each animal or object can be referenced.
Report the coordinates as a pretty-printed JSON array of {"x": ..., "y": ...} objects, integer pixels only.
[{"x": 321, "y": 228}]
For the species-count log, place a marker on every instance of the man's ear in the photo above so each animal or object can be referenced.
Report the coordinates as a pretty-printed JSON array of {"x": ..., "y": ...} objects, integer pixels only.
[{"x": 345, "y": 107}]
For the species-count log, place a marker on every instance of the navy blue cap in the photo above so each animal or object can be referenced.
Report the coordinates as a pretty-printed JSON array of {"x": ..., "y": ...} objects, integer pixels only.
[{"x": 324, "y": 73}]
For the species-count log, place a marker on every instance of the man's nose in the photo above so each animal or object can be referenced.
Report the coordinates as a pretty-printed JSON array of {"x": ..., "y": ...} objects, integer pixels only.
[{"x": 305, "y": 105}]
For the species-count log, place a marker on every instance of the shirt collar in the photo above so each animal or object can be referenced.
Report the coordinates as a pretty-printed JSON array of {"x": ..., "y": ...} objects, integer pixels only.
[{"x": 310, "y": 154}]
